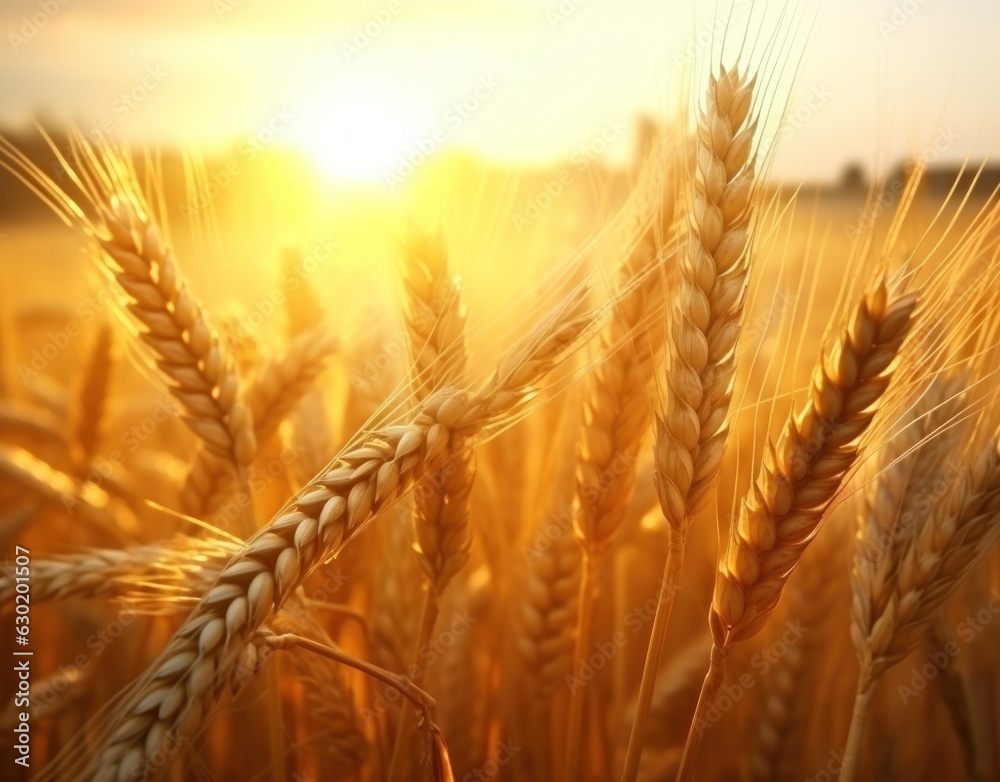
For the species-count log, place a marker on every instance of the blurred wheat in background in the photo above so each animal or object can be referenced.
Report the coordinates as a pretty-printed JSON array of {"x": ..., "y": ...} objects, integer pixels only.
[{"x": 351, "y": 452}]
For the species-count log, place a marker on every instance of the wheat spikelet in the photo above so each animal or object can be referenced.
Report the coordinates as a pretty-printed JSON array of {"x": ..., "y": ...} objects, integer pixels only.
[
  {"x": 50, "y": 695},
  {"x": 435, "y": 315},
  {"x": 910, "y": 472},
  {"x": 803, "y": 471},
  {"x": 186, "y": 348},
  {"x": 277, "y": 387},
  {"x": 397, "y": 605},
  {"x": 615, "y": 411},
  {"x": 87, "y": 413},
  {"x": 459, "y": 681},
  {"x": 176, "y": 568},
  {"x": 181, "y": 687},
  {"x": 615, "y": 421},
  {"x": 35, "y": 423},
  {"x": 930, "y": 565}
]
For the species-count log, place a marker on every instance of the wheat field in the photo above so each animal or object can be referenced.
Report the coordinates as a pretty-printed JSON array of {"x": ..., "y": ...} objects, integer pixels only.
[{"x": 673, "y": 470}]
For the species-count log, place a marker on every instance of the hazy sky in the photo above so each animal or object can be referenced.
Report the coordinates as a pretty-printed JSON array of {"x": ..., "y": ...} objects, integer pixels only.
[{"x": 515, "y": 79}]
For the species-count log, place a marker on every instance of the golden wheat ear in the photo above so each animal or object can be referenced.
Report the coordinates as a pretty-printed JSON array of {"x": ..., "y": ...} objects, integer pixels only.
[
  {"x": 702, "y": 335},
  {"x": 799, "y": 477},
  {"x": 172, "y": 325}
]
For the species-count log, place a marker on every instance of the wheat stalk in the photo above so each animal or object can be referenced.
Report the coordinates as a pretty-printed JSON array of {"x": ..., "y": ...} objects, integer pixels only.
[
  {"x": 180, "y": 688},
  {"x": 799, "y": 477},
  {"x": 327, "y": 692},
  {"x": 703, "y": 333}
]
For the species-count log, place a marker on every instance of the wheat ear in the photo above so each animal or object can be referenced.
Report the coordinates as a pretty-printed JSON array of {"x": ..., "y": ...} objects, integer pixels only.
[
  {"x": 182, "y": 567},
  {"x": 435, "y": 316},
  {"x": 36, "y": 423},
  {"x": 799, "y": 477},
  {"x": 172, "y": 324},
  {"x": 180, "y": 688},
  {"x": 928, "y": 567},
  {"x": 703, "y": 333},
  {"x": 87, "y": 413},
  {"x": 277, "y": 387},
  {"x": 548, "y": 614},
  {"x": 615, "y": 423}
]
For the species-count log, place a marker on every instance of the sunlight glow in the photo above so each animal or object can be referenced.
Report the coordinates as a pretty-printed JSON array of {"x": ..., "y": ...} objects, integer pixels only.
[{"x": 358, "y": 134}]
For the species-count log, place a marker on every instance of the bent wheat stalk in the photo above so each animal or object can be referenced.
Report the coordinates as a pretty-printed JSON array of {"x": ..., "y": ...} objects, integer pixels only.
[
  {"x": 703, "y": 333},
  {"x": 799, "y": 477}
]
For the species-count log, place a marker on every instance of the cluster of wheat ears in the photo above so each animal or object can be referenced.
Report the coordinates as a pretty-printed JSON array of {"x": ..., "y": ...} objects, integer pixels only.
[{"x": 468, "y": 585}]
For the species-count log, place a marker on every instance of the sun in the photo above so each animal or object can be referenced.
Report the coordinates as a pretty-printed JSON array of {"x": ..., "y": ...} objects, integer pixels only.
[{"x": 357, "y": 134}]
